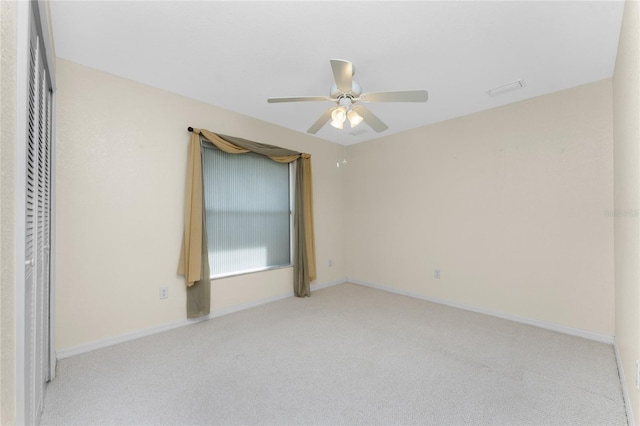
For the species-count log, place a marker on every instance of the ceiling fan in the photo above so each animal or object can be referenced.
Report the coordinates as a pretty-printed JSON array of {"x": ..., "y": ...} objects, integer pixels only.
[{"x": 348, "y": 96}]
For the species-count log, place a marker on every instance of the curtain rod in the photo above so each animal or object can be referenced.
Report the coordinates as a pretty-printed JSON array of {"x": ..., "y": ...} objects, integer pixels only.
[{"x": 190, "y": 129}]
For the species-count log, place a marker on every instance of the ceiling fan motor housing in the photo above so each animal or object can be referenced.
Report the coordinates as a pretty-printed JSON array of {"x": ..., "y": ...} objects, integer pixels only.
[
  {"x": 346, "y": 102},
  {"x": 354, "y": 93}
]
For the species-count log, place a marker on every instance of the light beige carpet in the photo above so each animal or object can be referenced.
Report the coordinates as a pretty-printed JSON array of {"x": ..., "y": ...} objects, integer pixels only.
[{"x": 347, "y": 355}]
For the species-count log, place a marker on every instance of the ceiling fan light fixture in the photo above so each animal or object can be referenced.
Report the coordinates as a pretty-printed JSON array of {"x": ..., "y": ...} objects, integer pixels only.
[
  {"x": 354, "y": 118},
  {"x": 338, "y": 116},
  {"x": 338, "y": 125}
]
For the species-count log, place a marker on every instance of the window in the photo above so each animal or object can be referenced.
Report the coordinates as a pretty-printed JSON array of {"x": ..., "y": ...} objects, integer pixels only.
[{"x": 248, "y": 212}]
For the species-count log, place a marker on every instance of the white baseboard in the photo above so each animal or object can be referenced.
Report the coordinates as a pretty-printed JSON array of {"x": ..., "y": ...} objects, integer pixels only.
[
  {"x": 315, "y": 287},
  {"x": 110, "y": 341},
  {"x": 623, "y": 382},
  {"x": 533, "y": 322}
]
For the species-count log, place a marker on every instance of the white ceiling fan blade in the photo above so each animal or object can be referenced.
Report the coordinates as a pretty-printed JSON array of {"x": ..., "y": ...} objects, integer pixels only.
[
  {"x": 342, "y": 74},
  {"x": 397, "y": 96},
  {"x": 370, "y": 118},
  {"x": 300, "y": 99},
  {"x": 324, "y": 118}
]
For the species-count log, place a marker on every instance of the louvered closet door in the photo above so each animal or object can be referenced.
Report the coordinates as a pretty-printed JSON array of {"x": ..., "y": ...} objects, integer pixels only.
[
  {"x": 37, "y": 227},
  {"x": 30, "y": 239}
]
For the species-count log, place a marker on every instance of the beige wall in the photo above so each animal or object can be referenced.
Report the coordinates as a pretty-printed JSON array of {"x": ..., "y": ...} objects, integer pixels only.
[
  {"x": 511, "y": 204},
  {"x": 7, "y": 213},
  {"x": 626, "y": 132},
  {"x": 121, "y": 170}
]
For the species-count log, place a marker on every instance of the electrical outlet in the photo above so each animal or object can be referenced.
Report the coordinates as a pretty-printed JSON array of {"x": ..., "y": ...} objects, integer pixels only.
[
  {"x": 164, "y": 292},
  {"x": 436, "y": 274}
]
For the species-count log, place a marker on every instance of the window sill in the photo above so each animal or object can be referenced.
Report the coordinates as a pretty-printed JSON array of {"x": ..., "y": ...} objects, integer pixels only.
[{"x": 251, "y": 271}]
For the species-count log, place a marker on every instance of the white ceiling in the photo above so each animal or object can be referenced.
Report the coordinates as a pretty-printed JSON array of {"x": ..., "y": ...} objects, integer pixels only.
[{"x": 237, "y": 54}]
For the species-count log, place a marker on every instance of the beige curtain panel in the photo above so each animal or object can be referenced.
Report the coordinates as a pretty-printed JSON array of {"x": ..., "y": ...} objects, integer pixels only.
[{"x": 194, "y": 259}]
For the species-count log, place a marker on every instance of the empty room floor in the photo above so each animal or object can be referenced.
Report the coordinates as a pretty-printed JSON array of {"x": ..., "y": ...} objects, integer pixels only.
[{"x": 347, "y": 355}]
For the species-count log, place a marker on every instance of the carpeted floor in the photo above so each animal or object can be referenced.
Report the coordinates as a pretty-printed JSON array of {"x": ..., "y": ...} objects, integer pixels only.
[{"x": 347, "y": 355}]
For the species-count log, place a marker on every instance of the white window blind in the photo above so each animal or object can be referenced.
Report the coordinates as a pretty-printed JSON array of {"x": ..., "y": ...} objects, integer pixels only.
[{"x": 248, "y": 212}]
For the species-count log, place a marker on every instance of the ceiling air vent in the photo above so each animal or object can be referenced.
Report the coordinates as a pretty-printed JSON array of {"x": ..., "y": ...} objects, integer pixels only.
[
  {"x": 358, "y": 132},
  {"x": 509, "y": 87}
]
